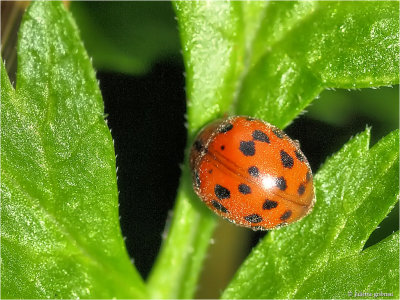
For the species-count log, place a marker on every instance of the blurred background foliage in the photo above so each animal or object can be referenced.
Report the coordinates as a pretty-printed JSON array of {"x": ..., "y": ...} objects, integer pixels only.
[
  {"x": 126, "y": 37},
  {"x": 136, "y": 51}
]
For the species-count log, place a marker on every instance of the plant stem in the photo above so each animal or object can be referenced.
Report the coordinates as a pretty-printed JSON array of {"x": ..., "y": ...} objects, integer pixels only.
[{"x": 179, "y": 263}]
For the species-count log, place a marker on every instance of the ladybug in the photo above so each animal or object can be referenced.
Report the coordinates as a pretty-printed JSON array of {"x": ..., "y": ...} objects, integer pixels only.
[{"x": 251, "y": 173}]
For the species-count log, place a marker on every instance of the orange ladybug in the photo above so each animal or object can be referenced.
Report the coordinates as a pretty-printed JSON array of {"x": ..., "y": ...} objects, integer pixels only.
[{"x": 251, "y": 173}]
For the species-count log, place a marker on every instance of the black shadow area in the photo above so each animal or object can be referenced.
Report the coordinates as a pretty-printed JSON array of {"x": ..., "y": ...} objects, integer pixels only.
[{"x": 146, "y": 118}]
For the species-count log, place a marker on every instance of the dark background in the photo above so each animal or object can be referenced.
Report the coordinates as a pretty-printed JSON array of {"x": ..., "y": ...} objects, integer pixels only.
[{"x": 146, "y": 117}]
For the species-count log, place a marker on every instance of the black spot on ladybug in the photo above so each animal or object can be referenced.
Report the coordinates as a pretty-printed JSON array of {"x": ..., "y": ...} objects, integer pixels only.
[
  {"x": 258, "y": 135},
  {"x": 308, "y": 176},
  {"x": 287, "y": 160},
  {"x": 278, "y": 133},
  {"x": 222, "y": 147},
  {"x": 299, "y": 156},
  {"x": 301, "y": 189},
  {"x": 226, "y": 128},
  {"x": 281, "y": 183},
  {"x": 219, "y": 206},
  {"x": 253, "y": 171},
  {"x": 247, "y": 148},
  {"x": 286, "y": 215},
  {"x": 253, "y": 218},
  {"x": 210, "y": 171},
  {"x": 221, "y": 192},
  {"x": 197, "y": 177},
  {"x": 250, "y": 119},
  {"x": 270, "y": 204},
  {"x": 244, "y": 189},
  {"x": 198, "y": 145}
]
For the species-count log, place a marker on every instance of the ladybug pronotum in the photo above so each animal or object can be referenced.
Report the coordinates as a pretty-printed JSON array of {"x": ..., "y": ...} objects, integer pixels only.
[{"x": 251, "y": 173}]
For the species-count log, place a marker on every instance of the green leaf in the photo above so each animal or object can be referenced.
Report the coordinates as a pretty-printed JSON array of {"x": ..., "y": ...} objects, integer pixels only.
[
  {"x": 375, "y": 271},
  {"x": 271, "y": 59},
  {"x": 268, "y": 60},
  {"x": 127, "y": 37},
  {"x": 60, "y": 235},
  {"x": 304, "y": 47},
  {"x": 355, "y": 190}
]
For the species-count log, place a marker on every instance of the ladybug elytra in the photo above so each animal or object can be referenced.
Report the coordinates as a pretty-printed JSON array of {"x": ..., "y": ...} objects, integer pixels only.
[{"x": 251, "y": 173}]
